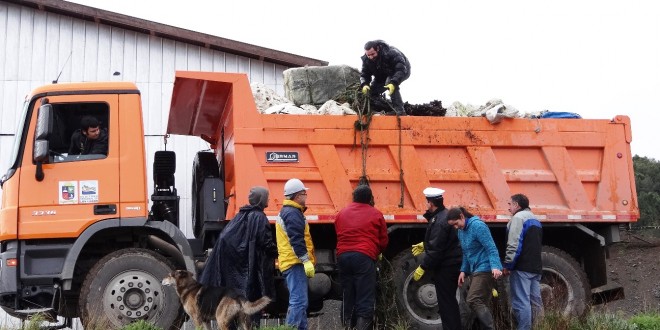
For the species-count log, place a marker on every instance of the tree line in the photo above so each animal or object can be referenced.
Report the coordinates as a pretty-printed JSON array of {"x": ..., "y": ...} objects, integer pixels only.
[{"x": 647, "y": 179}]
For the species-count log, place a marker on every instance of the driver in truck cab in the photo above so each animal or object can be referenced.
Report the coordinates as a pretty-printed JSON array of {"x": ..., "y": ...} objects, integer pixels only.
[{"x": 89, "y": 139}]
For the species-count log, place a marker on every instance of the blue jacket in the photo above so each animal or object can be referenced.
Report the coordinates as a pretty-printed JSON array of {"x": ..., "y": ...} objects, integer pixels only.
[{"x": 479, "y": 250}]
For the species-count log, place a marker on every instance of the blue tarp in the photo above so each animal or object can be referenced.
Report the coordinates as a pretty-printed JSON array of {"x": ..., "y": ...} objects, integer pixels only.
[{"x": 559, "y": 114}]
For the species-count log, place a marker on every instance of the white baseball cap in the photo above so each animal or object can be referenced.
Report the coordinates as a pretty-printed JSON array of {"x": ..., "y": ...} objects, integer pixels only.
[
  {"x": 293, "y": 186},
  {"x": 432, "y": 192}
]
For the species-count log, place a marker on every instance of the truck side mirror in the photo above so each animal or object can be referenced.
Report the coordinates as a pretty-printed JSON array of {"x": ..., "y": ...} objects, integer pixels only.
[{"x": 41, "y": 135}]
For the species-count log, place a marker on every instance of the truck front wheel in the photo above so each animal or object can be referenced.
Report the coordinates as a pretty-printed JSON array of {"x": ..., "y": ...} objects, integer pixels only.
[{"x": 125, "y": 286}]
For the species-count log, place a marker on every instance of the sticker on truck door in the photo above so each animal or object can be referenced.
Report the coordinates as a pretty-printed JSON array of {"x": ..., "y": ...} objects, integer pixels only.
[
  {"x": 89, "y": 191},
  {"x": 68, "y": 192}
]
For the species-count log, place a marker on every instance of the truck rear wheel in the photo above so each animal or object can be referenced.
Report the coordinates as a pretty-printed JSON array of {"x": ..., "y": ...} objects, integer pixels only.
[
  {"x": 205, "y": 165},
  {"x": 417, "y": 300},
  {"x": 564, "y": 285},
  {"x": 125, "y": 286}
]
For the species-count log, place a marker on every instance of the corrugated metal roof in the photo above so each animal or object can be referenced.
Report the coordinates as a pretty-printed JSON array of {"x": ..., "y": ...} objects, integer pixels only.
[{"x": 169, "y": 32}]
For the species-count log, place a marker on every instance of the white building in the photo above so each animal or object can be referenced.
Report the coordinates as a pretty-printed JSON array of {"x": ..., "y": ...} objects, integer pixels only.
[{"x": 45, "y": 40}]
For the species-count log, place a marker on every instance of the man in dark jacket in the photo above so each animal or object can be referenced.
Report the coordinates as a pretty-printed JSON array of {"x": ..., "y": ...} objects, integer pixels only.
[
  {"x": 89, "y": 139},
  {"x": 522, "y": 261},
  {"x": 443, "y": 256},
  {"x": 361, "y": 237},
  {"x": 388, "y": 67},
  {"x": 244, "y": 256}
]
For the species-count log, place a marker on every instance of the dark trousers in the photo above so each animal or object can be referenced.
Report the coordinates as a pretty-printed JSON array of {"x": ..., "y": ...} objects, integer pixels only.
[
  {"x": 357, "y": 274},
  {"x": 378, "y": 87},
  {"x": 446, "y": 284}
]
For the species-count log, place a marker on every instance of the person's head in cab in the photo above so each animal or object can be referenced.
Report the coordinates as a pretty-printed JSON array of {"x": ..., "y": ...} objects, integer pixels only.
[{"x": 90, "y": 127}]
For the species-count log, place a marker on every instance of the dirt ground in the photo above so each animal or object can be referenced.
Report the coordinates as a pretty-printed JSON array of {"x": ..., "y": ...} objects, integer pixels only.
[{"x": 635, "y": 264}]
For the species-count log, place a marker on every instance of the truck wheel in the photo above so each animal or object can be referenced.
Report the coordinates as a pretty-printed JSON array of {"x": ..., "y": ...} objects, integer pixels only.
[
  {"x": 204, "y": 166},
  {"x": 416, "y": 299},
  {"x": 125, "y": 286},
  {"x": 564, "y": 285}
]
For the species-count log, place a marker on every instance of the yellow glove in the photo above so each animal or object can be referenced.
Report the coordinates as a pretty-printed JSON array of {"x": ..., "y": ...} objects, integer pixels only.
[
  {"x": 419, "y": 272},
  {"x": 418, "y": 248},
  {"x": 365, "y": 89},
  {"x": 380, "y": 257},
  {"x": 390, "y": 88},
  {"x": 495, "y": 293},
  {"x": 309, "y": 268}
]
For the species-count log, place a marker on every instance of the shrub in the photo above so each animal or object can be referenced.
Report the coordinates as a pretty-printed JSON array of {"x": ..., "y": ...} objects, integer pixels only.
[
  {"x": 141, "y": 325},
  {"x": 646, "y": 321}
]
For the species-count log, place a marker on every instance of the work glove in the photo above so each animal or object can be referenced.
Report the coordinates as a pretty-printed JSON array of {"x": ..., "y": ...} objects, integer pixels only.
[
  {"x": 390, "y": 88},
  {"x": 365, "y": 89},
  {"x": 309, "y": 268},
  {"x": 380, "y": 257},
  {"x": 418, "y": 248},
  {"x": 495, "y": 293},
  {"x": 419, "y": 272}
]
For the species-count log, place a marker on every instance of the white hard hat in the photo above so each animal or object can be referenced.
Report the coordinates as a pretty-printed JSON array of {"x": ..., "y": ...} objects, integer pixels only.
[
  {"x": 293, "y": 186},
  {"x": 432, "y": 192}
]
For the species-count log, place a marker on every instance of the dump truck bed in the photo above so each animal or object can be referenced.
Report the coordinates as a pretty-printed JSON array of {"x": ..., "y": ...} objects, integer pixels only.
[{"x": 571, "y": 169}]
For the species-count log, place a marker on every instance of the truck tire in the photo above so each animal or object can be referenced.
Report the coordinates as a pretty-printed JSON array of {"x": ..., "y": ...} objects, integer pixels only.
[
  {"x": 564, "y": 285},
  {"x": 205, "y": 166},
  {"x": 125, "y": 286},
  {"x": 417, "y": 301}
]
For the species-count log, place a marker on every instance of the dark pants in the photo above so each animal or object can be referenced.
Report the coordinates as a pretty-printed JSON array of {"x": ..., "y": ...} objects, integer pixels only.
[
  {"x": 446, "y": 284},
  {"x": 378, "y": 87},
  {"x": 357, "y": 274}
]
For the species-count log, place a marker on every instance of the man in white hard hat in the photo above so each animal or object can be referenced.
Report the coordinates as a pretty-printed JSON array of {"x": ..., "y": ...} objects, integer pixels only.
[
  {"x": 443, "y": 255},
  {"x": 296, "y": 251}
]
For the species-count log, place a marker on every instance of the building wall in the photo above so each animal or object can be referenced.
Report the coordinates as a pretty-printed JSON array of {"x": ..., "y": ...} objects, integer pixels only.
[{"x": 38, "y": 46}]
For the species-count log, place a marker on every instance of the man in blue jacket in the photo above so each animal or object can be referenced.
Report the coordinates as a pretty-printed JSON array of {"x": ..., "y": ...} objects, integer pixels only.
[
  {"x": 481, "y": 262},
  {"x": 388, "y": 67},
  {"x": 522, "y": 261}
]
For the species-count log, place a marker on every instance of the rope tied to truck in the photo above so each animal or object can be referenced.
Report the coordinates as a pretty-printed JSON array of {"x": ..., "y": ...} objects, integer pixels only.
[{"x": 362, "y": 126}]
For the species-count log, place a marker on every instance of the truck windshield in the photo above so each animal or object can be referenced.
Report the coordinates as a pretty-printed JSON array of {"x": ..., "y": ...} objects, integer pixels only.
[{"x": 13, "y": 157}]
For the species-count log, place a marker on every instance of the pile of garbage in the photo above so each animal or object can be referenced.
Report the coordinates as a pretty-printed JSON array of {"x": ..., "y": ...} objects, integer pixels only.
[{"x": 334, "y": 90}]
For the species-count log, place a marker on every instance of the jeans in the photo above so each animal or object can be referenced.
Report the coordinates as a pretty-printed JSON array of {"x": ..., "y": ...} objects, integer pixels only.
[
  {"x": 525, "y": 297},
  {"x": 296, "y": 281},
  {"x": 357, "y": 274}
]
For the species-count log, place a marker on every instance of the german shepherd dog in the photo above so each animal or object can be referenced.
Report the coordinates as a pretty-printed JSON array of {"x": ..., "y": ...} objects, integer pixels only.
[{"x": 204, "y": 304}]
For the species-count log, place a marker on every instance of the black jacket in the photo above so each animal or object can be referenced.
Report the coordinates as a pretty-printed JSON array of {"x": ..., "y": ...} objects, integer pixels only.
[
  {"x": 243, "y": 257},
  {"x": 81, "y": 145},
  {"x": 390, "y": 63},
  {"x": 441, "y": 242}
]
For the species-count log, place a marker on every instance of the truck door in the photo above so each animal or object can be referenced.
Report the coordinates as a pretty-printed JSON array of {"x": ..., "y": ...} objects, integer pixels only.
[{"x": 80, "y": 183}]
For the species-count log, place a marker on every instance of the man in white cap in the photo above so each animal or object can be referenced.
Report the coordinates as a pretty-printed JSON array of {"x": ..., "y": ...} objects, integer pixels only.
[
  {"x": 296, "y": 251},
  {"x": 443, "y": 255}
]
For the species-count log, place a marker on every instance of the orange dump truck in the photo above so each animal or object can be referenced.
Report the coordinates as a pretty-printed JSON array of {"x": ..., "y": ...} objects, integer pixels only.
[{"x": 80, "y": 239}]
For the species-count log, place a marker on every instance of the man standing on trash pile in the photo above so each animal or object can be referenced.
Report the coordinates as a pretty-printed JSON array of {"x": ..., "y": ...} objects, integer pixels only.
[
  {"x": 296, "y": 251},
  {"x": 361, "y": 238},
  {"x": 243, "y": 257},
  {"x": 388, "y": 67},
  {"x": 443, "y": 258}
]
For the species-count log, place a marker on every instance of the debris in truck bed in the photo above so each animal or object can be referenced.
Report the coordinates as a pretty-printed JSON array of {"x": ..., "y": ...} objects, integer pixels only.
[{"x": 433, "y": 108}]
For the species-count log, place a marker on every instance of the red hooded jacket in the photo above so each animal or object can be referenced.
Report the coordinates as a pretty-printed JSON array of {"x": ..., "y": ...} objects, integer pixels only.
[{"x": 361, "y": 228}]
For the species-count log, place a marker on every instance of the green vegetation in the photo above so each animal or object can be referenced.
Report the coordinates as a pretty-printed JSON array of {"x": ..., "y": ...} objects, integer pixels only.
[
  {"x": 647, "y": 180},
  {"x": 141, "y": 325},
  {"x": 599, "y": 321}
]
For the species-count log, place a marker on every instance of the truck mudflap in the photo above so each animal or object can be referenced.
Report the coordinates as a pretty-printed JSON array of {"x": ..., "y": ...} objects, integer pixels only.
[{"x": 607, "y": 293}]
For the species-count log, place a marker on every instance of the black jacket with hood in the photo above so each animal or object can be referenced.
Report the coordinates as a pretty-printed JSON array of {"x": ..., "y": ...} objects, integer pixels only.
[
  {"x": 441, "y": 242},
  {"x": 244, "y": 255},
  {"x": 390, "y": 63}
]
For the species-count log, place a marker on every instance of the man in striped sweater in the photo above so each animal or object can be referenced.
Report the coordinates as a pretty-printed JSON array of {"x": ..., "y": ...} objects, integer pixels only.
[{"x": 523, "y": 262}]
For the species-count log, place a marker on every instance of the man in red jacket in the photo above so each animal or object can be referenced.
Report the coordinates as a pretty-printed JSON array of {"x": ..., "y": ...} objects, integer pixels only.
[{"x": 361, "y": 237}]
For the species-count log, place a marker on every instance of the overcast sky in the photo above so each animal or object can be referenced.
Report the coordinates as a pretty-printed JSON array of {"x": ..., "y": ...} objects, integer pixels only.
[{"x": 595, "y": 58}]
